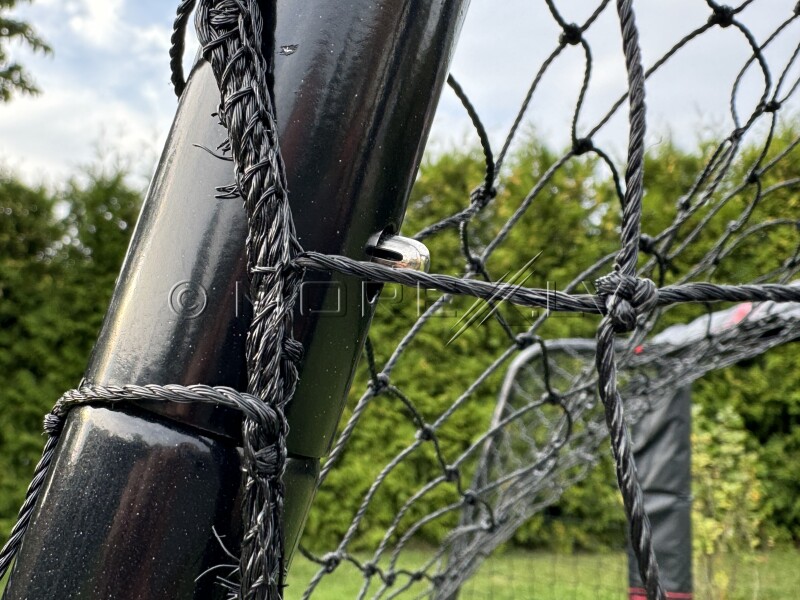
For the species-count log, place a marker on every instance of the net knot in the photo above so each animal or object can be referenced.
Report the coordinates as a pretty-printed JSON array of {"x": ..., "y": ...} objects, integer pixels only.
[
  {"x": 626, "y": 298},
  {"x": 53, "y": 424},
  {"x": 379, "y": 383},
  {"x": 481, "y": 195},
  {"x": 369, "y": 569},
  {"x": 554, "y": 398},
  {"x": 582, "y": 146},
  {"x": 476, "y": 264},
  {"x": 737, "y": 134},
  {"x": 723, "y": 16},
  {"x": 451, "y": 474},
  {"x": 426, "y": 433},
  {"x": 470, "y": 498},
  {"x": 331, "y": 560},
  {"x": 292, "y": 350},
  {"x": 524, "y": 340},
  {"x": 772, "y": 106},
  {"x": 647, "y": 243},
  {"x": 267, "y": 462},
  {"x": 390, "y": 579},
  {"x": 571, "y": 35}
]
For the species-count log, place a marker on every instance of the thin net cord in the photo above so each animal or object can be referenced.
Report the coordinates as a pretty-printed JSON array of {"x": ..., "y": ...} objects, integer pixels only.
[
  {"x": 230, "y": 33},
  {"x": 546, "y": 470}
]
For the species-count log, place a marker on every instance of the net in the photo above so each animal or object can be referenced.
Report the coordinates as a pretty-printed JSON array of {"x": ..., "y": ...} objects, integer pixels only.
[
  {"x": 548, "y": 427},
  {"x": 715, "y": 229}
]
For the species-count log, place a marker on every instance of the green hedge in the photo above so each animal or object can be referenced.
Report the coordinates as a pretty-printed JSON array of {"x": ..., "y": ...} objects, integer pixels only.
[{"x": 60, "y": 254}]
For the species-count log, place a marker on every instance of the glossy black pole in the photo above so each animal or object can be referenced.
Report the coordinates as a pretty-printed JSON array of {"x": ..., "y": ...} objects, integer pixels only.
[{"x": 128, "y": 511}]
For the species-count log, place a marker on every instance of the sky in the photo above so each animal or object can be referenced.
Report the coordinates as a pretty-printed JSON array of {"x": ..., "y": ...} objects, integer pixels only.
[{"x": 107, "y": 97}]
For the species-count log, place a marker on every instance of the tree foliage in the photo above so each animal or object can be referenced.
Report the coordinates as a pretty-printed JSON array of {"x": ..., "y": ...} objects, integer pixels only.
[
  {"x": 56, "y": 278},
  {"x": 60, "y": 254},
  {"x": 574, "y": 222},
  {"x": 14, "y": 78},
  {"x": 728, "y": 508}
]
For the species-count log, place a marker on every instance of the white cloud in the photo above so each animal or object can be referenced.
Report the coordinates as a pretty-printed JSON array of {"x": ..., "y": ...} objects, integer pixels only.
[
  {"x": 504, "y": 43},
  {"x": 109, "y": 78},
  {"x": 152, "y": 39},
  {"x": 97, "y": 21},
  {"x": 106, "y": 93},
  {"x": 49, "y": 138}
]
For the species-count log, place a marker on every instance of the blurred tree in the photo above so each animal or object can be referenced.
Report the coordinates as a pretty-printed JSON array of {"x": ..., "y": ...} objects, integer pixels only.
[
  {"x": 61, "y": 252},
  {"x": 56, "y": 278},
  {"x": 728, "y": 508},
  {"x": 13, "y": 76},
  {"x": 572, "y": 221}
]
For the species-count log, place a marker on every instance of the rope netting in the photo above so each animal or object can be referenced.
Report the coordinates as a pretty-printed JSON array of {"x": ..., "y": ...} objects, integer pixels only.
[
  {"x": 549, "y": 430},
  {"x": 560, "y": 407}
]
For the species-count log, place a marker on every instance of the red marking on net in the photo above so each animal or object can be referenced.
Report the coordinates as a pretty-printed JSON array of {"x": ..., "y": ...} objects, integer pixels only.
[{"x": 740, "y": 313}]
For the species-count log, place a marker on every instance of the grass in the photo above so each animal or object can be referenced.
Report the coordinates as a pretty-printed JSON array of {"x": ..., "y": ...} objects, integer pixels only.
[
  {"x": 544, "y": 576},
  {"x": 762, "y": 576}
]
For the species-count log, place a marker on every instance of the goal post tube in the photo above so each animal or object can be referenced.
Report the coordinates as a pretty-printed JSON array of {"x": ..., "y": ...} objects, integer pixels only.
[{"x": 137, "y": 492}]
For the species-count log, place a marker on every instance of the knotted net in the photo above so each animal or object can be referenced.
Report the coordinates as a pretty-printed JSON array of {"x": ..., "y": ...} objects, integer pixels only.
[
  {"x": 550, "y": 425},
  {"x": 545, "y": 434}
]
